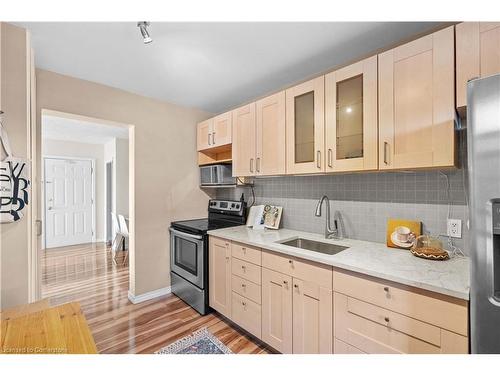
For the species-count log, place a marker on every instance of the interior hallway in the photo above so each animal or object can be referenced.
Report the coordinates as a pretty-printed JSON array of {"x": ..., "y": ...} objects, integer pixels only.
[{"x": 86, "y": 273}]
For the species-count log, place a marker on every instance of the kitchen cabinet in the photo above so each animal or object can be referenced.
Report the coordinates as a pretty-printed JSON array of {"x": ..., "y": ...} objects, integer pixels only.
[
  {"x": 259, "y": 137},
  {"x": 219, "y": 263},
  {"x": 351, "y": 117},
  {"x": 277, "y": 306},
  {"x": 477, "y": 53},
  {"x": 305, "y": 127},
  {"x": 416, "y": 103},
  {"x": 271, "y": 137},
  {"x": 214, "y": 132},
  {"x": 204, "y": 135},
  {"x": 244, "y": 141}
]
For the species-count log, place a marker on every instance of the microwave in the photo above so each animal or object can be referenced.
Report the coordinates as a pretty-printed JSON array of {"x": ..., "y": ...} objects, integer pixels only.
[{"x": 217, "y": 175}]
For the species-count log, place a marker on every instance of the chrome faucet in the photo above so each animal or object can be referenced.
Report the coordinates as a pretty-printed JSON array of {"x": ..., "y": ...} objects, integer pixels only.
[{"x": 337, "y": 220}]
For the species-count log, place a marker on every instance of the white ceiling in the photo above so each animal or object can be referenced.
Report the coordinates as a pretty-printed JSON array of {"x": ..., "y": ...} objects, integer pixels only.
[
  {"x": 211, "y": 66},
  {"x": 64, "y": 129}
]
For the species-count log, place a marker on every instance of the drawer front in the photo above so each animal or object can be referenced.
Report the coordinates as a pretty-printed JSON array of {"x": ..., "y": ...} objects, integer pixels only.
[
  {"x": 440, "y": 311},
  {"x": 299, "y": 268},
  {"x": 398, "y": 322},
  {"x": 246, "y": 289},
  {"x": 247, "y": 253},
  {"x": 374, "y": 338},
  {"x": 245, "y": 270},
  {"x": 246, "y": 314},
  {"x": 219, "y": 241},
  {"x": 341, "y": 347}
]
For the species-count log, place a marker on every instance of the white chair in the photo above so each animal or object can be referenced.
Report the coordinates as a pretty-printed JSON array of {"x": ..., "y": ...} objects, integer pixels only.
[
  {"x": 118, "y": 239},
  {"x": 124, "y": 234}
]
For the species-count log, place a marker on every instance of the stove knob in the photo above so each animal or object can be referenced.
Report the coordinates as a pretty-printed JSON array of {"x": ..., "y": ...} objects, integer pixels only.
[
  {"x": 232, "y": 205},
  {"x": 237, "y": 206}
]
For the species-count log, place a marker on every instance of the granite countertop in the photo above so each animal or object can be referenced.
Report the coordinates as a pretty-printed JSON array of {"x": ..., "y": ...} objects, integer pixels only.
[{"x": 450, "y": 277}]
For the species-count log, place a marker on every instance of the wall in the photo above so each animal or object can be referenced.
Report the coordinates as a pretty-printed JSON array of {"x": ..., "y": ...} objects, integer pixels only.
[
  {"x": 52, "y": 147},
  {"x": 165, "y": 174},
  {"x": 366, "y": 201},
  {"x": 15, "y": 237}
]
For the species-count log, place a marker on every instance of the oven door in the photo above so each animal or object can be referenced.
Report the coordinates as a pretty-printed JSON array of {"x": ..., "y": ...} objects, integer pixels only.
[{"x": 186, "y": 256}]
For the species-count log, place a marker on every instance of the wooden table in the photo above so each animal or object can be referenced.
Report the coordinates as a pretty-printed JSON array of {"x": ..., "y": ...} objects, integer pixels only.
[{"x": 42, "y": 329}]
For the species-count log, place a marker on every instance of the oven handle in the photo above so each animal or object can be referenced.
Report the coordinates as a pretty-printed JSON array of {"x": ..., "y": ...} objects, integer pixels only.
[{"x": 184, "y": 234}]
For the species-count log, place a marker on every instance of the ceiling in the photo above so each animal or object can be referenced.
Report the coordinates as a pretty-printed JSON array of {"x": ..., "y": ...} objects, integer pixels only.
[
  {"x": 64, "y": 129},
  {"x": 210, "y": 66}
]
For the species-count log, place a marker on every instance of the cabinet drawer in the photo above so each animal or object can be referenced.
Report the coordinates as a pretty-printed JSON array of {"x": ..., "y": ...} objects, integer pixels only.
[
  {"x": 220, "y": 242},
  {"x": 246, "y": 314},
  {"x": 246, "y": 288},
  {"x": 373, "y": 337},
  {"x": 245, "y": 270},
  {"x": 441, "y": 311},
  {"x": 341, "y": 347},
  {"x": 299, "y": 268},
  {"x": 247, "y": 253}
]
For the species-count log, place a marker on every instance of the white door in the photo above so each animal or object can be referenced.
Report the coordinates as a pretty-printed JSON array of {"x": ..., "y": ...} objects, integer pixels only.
[{"x": 68, "y": 202}]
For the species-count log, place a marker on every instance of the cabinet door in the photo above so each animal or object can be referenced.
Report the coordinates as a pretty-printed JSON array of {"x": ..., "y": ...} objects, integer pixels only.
[
  {"x": 478, "y": 54},
  {"x": 204, "y": 135},
  {"x": 271, "y": 135},
  {"x": 244, "y": 141},
  {"x": 222, "y": 129},
  {"x": 416, "y": 103},
  {"x": 277, "y": 310},
  {"x": 312, "y": 318},
  {"x": 220, "y": 276},
  {"x": 351, "y": 117},
  {"x": 305, "y": 127}
]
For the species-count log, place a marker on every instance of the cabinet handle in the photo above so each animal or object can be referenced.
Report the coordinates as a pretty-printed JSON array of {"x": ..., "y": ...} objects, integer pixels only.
[
  {"x": 290, "y": 261},
  {"x": 330, "y": 153},
  {"x": 209, "y": 139},
  {"x": 285, "y": 282},
  {"x": 227, "y": 258},
  {"x": 386, "y": 319},
  {"x": 251, "y": 165},
  {"x": 243, "y": 285},
  {"x": 257, "y": 164},
  {"x": 244, "y": 303},
  {"x": 318, "y": 157},
  {"x": 295, "y": 286},
  {"x": 213, "y": 138},
  {"x": 386, "y": 145},
  {"x": 243, "y": 268},
  {"x": 386, "y": 289},
  {"x": 244, "y": 249}
]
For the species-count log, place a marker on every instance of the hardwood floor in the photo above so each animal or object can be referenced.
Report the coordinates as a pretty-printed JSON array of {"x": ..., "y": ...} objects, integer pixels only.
[{"x": 86, "y": 273}]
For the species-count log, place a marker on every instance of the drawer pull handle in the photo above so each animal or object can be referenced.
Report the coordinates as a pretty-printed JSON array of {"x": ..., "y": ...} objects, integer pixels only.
[
  {"x": 386, "y": 289},
  {"x": 227, "y": 258},
  {"x": 244, "y": 303},
  {"x": 295, "y": 286},
  {"x": 290, "y": 261},
  {"x": 285, "y": 282},
  {"x": 244, "y": 250},
  {"x": 243, "y": 286},
  {"x": 386, "y": 319},
  {"x": 243, "y": 268}
]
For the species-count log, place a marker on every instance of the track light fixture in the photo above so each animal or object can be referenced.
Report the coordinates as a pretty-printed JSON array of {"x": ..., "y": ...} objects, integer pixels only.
[{"x": 143, "y": 26}]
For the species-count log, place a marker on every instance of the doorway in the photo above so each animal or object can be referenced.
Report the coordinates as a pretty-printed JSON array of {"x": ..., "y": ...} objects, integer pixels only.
[{"x": 69, "y": 201}]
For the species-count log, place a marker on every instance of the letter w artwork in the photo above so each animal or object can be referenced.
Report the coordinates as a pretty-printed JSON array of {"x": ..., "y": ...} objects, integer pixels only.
[{"x": 14, "y": 183}]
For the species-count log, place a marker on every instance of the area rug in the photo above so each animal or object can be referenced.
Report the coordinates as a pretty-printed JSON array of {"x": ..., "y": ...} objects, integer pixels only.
[{"x": 200, "y": 342}]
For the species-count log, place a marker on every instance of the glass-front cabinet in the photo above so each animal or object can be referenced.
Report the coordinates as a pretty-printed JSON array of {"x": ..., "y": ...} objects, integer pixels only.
[
  {"x": 351, "y": 117},
  {"x": 305, "y": 127}
]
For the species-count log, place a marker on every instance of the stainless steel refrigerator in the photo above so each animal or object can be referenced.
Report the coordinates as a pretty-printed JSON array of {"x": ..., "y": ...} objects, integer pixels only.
[{"x": 483, "y": 140}]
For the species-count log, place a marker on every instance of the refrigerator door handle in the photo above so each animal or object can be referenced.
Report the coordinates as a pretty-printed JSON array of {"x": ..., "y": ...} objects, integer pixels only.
[{"x": 493, "y": 251}]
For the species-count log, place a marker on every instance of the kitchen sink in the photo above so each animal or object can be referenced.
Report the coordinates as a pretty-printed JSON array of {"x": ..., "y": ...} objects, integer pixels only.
[{"x": 319, "y": 247}]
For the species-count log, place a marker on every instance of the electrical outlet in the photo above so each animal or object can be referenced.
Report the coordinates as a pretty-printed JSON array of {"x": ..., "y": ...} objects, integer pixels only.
[{"x": 454, "y": 228}]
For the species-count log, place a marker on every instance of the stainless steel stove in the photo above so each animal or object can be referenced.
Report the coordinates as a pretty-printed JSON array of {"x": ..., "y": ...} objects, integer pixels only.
[{"x": 189, "y": 250}]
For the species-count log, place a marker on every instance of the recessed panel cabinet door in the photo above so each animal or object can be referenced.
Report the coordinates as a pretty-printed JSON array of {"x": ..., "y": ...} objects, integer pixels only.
[
  {"x": 312, "y": 318},
  {"x": 416, "y": 103},
  {"x": 277, "y": 310},
  {"x": 220, "y": 276},
  {"x": 222, "y": 129},
  {"x": 270, "y": 157},
  {"x": 204, "y": 135},
  {"x": 243, "y": 148},
  {"x": 351, "y": 117},
  {"x": 305, "y": 127},
  {"x": 478, "y": 54}
]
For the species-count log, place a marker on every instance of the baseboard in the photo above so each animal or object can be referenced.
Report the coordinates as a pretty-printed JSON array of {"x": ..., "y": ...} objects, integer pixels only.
[{"x": 149, "y": 295}]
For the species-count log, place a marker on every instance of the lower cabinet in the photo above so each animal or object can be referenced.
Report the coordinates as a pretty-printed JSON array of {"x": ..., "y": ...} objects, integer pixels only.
[{"x": 219, "y": 264}]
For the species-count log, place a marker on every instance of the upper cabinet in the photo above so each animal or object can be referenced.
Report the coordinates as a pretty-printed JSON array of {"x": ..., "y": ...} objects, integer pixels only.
[
  {"x": 478, "y": 54},
  {"x": 259, "y": 137},
  {"x": 305, "y": 127},
  {"x": 244, "y": 133},
  {"x": 214, "y": 132},
  {"x": 351, "y": 117},
  {"x": 416, "y": 103}
]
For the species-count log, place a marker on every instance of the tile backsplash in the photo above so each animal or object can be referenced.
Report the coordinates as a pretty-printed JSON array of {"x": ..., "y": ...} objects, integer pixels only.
[{"x": 366, "y": 201}]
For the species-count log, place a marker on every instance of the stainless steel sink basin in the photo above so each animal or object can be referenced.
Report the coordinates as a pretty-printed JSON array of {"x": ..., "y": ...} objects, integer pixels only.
[{"x": 319, "y": 247}]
